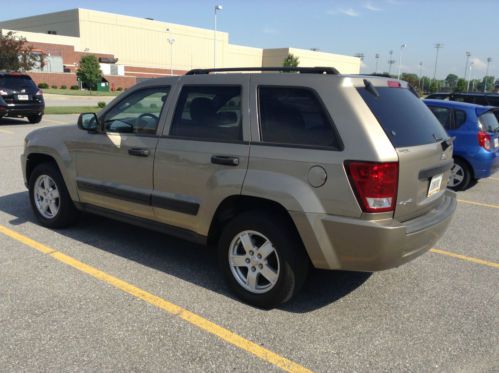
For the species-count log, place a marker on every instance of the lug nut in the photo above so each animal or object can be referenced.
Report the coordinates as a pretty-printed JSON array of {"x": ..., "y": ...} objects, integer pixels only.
[
  {"x": 252, "y": 253},
  {"x": 260, "y": 266},
  {"x": 247, "y": 260},
  {"x": 253, "y": 269},
  {"x": 259, "y": 256}
]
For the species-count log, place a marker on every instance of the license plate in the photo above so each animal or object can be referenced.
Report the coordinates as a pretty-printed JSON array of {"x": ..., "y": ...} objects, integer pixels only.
[
  {"x": 435, "y": 183},
  {"x": 496, "y": 142},
  {"x": 23, "y": 97}
]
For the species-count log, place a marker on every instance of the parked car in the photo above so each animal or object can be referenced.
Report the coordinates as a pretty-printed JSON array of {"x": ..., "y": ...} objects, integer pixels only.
[
  {"x": 476, "y": 144},
  {"x": 20, "y": 97},
  {"x": 485, "y": 99},
  {"x": 278, "y": 170}
]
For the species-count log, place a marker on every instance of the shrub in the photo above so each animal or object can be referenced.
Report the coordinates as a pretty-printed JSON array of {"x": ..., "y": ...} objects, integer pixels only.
[
  {"x": 53, "y": 87},
  {"x": 119, "y": 89},
  {"x": 64, "y": 87},
  {"x": 101, "y": 104},
  {"x": 74, "y": 88},
  {"x": 43, "y": 85}
]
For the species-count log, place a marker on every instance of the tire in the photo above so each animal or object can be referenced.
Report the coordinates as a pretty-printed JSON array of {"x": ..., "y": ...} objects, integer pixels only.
[
  {"x": 46, "y": 184},
  {"x": 35, "y": 118},
  {"x": 460, "y": 176},
  {"x": 287, "y": 259}
]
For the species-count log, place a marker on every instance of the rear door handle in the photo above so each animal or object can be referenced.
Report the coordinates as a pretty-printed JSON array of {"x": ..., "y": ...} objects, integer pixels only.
[
  {"x": 139, "y": 152},
  {"x": 225, "y": 160}
]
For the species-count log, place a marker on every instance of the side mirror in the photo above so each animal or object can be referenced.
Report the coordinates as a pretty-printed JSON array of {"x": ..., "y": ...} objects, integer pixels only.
[{"x": 88, "y": 122}]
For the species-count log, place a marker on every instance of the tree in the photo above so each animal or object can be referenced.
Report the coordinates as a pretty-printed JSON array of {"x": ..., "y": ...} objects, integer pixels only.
[
  {"x": 412, "y": 79},
  {"x": 451, "y": 81},
  {"x": 89, "y": 72},
  {"x": 460, "y": 85},
  {"x": 15, "y": 54},
  {"x": 488, "y": 81},
  {"x": 291, "y": 61}
]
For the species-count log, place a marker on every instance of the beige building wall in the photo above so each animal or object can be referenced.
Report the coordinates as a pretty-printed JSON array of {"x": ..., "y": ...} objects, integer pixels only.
[
  {"x": 240, "y": 56},
  {"x": 309, "y": 58},
  {"x": 46, "y": 38},
  {"x": 64, "y": 23}
]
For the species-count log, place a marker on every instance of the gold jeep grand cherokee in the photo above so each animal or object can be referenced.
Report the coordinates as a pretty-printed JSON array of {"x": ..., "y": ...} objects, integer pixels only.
[{"x": 280, "y": 170}]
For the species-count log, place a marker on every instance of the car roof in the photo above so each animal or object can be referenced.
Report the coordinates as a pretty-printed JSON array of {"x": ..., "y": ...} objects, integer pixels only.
[{"x": 453, "y": 104}]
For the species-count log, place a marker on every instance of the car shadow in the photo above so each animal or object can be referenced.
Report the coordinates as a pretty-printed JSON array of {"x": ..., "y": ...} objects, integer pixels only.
[
  {"x": 190, "y": 262},
  {"x": 11, "y": 121}
]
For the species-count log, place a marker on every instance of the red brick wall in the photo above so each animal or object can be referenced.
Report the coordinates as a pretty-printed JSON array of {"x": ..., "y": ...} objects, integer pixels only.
[
  {"x": 69, "y": 79},
  {"x": 148, "y": 72}
]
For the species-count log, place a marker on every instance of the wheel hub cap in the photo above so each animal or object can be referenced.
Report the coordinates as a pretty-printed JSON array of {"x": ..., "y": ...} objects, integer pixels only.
[{"x": 46, "y": 196}]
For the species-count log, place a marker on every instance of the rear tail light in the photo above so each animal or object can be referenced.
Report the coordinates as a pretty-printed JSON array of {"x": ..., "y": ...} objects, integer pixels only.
[
  {"x": 394, "y": 84},
  {"x": 484, "y": 140},
  {"x": 375, "y": 184}
]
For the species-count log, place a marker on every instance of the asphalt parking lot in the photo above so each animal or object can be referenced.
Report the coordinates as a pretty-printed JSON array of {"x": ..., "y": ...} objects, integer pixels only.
[{"x": 106, "y": 296}]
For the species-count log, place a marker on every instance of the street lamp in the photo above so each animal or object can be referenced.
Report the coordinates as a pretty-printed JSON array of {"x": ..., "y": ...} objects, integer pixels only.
[
  {"x": 400, "y": 58},
  {"x": 468, "y": 54},
  {"x": 391, "y": 61},
  {"x": 170, "y": 41},
  {"x": 420, "y": 74},
  {"x": 489, "y": 60},
  {"x": 217, "y": 8},
  {"x": 377, "y": 59},
  {"x": 471, "y": 77},
  {"x": 437, "y": 46}
]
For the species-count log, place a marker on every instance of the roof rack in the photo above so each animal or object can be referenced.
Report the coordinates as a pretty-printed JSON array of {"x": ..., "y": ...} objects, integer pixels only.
[{"x": 301, "y": 70}]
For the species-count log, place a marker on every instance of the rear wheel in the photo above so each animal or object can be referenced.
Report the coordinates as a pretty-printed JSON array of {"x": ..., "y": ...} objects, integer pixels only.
[
  {"x": 35, "y": 118},
  {"x": 49, "y": 197},
  {"x": 263, "y": 260},
  {"x": 460, "y": 175}
]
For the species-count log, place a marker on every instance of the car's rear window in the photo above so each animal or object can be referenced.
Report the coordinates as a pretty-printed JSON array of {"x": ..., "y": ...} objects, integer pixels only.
[
  {"x": 17, "y": 82},
  {"x": 488, "y": 121},
  {"x": 405, "y": 118}
]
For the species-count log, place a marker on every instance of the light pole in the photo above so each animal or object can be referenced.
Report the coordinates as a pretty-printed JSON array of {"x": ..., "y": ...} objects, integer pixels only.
[
  {"x": 437, "y": 46},
  {"x": 361, "y": 57},
  {"x": 377, "y": 59},
  {"x": 468, "y": 54},
  {"x": 468, "y": 87},
  {"x": 391, "y": 61},
  {"x": 217, "y": 8},
  {"x": 400, "y": 58},
  {"x": 489, "y": 60},
  {"x": 170, "y": 41},
  {"x": 420, "y": 74}
]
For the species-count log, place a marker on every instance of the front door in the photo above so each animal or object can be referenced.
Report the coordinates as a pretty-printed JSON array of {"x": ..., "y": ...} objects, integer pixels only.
[{"x": 115, "y": 167}]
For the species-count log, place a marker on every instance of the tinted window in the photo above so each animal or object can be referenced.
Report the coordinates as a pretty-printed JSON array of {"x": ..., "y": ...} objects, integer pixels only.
[
  {"x": 443, "y": 116},
  {"x": 294, "y": 116},
  {"x": 17, "y": 83},
  {"x": 480, "y": 100},
  {"x": 459, "y": 118},
  {"x": 493, "y": 101},
  {"x": 137, "y": 113},
  {"x": 208, "y": 112},
  {"x": 488, "y": 122},
  {"x": 406, "y": 120}
]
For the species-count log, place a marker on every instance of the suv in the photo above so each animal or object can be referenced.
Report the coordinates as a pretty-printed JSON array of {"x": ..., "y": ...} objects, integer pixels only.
[
  {"x": 20, "y": 97},
  {"x": 279, "y": 170}
]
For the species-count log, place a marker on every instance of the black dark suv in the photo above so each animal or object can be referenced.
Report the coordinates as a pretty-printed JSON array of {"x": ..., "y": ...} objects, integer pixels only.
[
  {"x": 486, "y": 99},
  {"x": 20, "y": 97}
]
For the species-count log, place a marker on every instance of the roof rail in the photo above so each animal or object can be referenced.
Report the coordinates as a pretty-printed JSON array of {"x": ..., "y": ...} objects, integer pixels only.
[{"x": 301, "y": 70}]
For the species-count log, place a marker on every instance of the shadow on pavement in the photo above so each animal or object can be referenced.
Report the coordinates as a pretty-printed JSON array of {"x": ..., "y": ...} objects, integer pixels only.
[
  {"x": 190, "y": 262},
  {"x": 13, "y": 121}
]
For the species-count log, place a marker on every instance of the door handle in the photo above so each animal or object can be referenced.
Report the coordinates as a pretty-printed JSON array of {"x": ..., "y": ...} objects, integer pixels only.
[
  {"x": 225, "y": 160},
  {"x": 139, "y": 152}
]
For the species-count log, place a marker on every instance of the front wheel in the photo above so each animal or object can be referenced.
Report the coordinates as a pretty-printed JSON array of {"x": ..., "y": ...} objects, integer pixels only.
[
  {"x": 460, "y": 176},
  {"x": 49, "y": 197},
  {"x": 262, "y": 258}
]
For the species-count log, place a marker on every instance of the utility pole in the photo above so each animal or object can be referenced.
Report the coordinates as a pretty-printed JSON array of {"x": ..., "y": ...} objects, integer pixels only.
[
  {"x": 377, "y": 60},
  {"x": 170, "y": 41},
  {"x": 468, "y": 86},
  {"x": 217, "y": 8},
  {"x": 391, "y": 61},
  {"x": 468, "y": 54},
  {"x": 489, "y": 60},
  {"x": 420, "y": 74},
  {"x": 437, "y": 46},
  {"x": 400, "y": 58}
]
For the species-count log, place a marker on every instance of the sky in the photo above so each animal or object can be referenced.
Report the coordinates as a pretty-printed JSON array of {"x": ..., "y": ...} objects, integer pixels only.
[{"x": 336, "y": 26}]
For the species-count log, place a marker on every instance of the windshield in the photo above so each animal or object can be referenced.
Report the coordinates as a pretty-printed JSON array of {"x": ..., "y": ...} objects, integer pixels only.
[
  {"x": 488, "y": 122},
  {"x": 406, "y": 120},
  {"x": 17, "y": 83}
]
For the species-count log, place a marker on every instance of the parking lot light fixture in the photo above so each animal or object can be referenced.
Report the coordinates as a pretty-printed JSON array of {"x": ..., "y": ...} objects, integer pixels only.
[
  {"x": 377, "y": 60},
  {"x": 489, "y": 60},
  {"x": 468, "y": 54},
  {"x": 217, "y": 8},
  {"x": 171, "y": 40},
  {"x": 438, "y": 46},
  {"x": 471, "y": 77},
  {"x": 400, "y": 59}
]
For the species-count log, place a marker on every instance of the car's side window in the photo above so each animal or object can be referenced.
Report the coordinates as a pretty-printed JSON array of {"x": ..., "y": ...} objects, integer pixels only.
[
  {"x": 211, "y": 112},
  {"x": 137, "y": 113},
  {"x": 459, "y": 118},
  {"x": 295, "y": 116},
  {"x": 443, "y": 115}
]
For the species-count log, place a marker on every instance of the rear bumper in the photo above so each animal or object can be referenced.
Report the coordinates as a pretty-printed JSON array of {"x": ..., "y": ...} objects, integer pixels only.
[
  {"x": 21, "y": 110},
  {"x": 362, "y": 245},
  {"x": 484, "y": 163}
]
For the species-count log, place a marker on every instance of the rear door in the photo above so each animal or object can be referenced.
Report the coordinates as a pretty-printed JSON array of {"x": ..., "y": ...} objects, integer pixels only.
[{"x": 422, "y": 145}]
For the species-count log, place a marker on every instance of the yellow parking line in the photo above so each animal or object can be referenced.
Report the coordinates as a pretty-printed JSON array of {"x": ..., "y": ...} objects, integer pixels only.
[
  {"x": 467, "y": 258},
  {"x": 479, "y": 203},
  {"x": 188, "y": 316}
]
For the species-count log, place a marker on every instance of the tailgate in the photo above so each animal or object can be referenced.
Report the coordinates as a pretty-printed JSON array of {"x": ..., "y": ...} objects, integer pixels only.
[{"x": 418, "y": 167}]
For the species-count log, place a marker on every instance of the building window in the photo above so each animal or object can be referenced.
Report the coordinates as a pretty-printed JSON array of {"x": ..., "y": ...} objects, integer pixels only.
[{"x": 51, "y": 32}]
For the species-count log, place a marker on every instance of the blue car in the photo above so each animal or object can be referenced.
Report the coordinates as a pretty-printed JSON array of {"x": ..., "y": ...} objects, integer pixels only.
[{"x": 476, "y": 144}]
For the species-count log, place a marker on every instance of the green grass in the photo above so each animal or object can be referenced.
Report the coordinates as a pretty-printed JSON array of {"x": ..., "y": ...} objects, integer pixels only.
[
  {"x": 71, "y": 109},
  {"x": 70, "y": 92}
]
